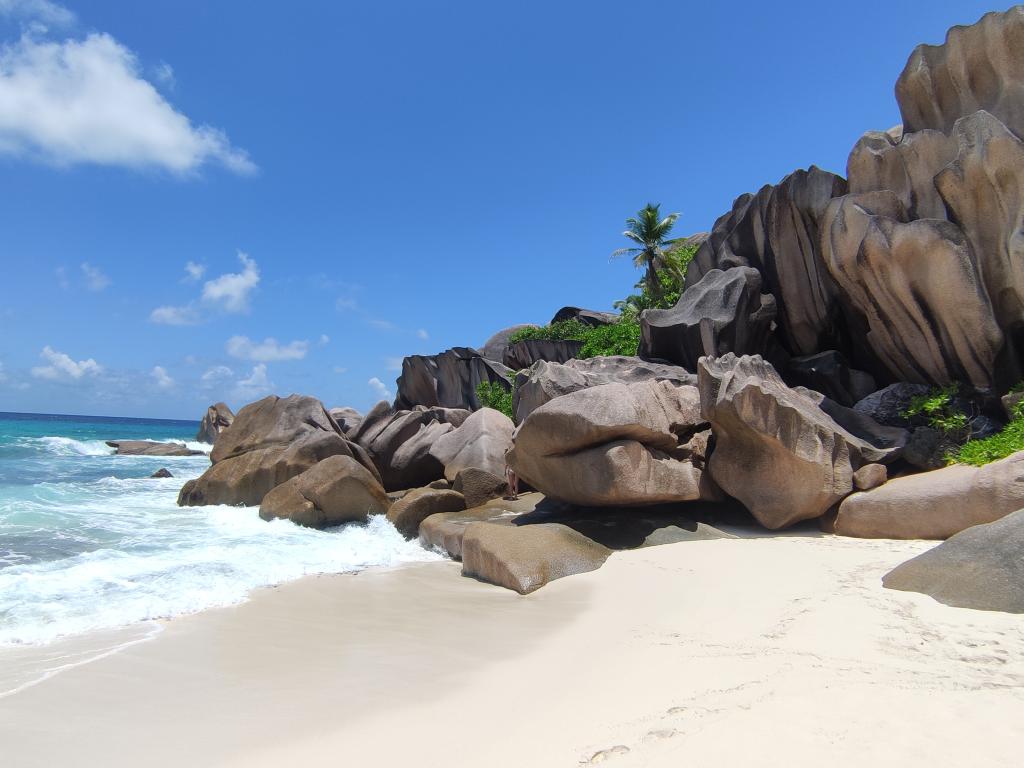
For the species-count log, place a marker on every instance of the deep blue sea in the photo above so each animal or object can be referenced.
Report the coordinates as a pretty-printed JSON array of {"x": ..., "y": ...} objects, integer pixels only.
[{"x": 89, "y": 541}]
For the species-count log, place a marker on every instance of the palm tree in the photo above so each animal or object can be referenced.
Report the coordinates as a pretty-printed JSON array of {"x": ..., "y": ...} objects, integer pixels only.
[{"x": 650, "y": 233}]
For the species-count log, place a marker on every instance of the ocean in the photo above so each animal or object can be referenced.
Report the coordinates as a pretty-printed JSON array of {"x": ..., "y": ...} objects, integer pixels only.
[{"x": 88, "y": 541}]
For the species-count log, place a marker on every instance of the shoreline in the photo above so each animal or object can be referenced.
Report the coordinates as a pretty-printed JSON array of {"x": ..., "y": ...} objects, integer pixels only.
[{"x": 661, "y": 657}]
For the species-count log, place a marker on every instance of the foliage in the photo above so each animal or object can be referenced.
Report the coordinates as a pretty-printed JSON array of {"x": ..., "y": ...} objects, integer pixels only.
[
  {"x": 563, "y": 330},
  {"x": 998, "y": 446},
  {"x": 650, "y": 233},
  {"x": 493, "y": 395},
  {"x": 939, "y": 409},
  {"x": 619, "y": 338}
]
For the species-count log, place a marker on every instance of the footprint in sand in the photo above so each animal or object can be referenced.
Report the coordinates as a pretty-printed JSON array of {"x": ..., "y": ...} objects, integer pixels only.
[{"x": 605, "y": 754}]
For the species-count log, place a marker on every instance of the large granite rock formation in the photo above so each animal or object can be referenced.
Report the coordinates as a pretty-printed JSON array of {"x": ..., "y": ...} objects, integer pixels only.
[
  {"x": 722, "y": 312},
  {"x": 269, "y": 442},
  {"x": 525, "y": 353},
  {"x": 980, "y": 567},
  {"x": 478, "y": 486},
  {"x": 348, "y": 419},
  {"x": 545, "y": 381},
  {"x": 934, "y": 505},
  {"x": 334, "y": 491},
  {"x": 399, "y": 442},
  {"x": 448, "y": 380},
  {"x": 829, "y": 373},
  {"x": 480, "y": 441},
  {"x": 616, "y": 445},
  {"x": 586, "y": 316},
  {"x": 776, "y": 449},
  {"x": 494, "y": 348},
  {"x": 217, "y": 418}
]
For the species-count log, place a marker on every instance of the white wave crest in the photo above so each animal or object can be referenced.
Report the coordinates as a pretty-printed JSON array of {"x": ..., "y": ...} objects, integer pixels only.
[{"x": 67, "y": 446}]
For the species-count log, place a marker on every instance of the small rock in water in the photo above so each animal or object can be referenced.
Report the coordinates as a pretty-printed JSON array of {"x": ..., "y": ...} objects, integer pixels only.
[{"x": 162, "y": 472}]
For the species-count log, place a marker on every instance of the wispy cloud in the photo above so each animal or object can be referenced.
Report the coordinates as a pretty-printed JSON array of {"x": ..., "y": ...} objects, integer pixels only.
[
  {"x": 340, "y": 369},
  {"x": 380, "y": 388},
  {"x": 216, "y": 375},
  {"x": 421, "y": 333},
  {"x": 324, "y": 340},
  {"x": 194, "y": 272},
  {"x": 163, "y": 380},
  {"x": 62, "y": 366},
  {"x": 229, "y": 293},
  {"x": 266, "y": 351},
  {"x": 164, "y": 74},
  {"x": 95, "y": 280},
  {"x": 40, "y": 11},
  {"x": 186, "y": 315},
  {"x": 255, "y": 386},
  {"x": 73, "y": 102}
]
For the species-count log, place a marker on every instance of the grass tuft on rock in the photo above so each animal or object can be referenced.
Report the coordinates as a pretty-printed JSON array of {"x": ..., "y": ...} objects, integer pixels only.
[{"x": 1010, "y": 440}]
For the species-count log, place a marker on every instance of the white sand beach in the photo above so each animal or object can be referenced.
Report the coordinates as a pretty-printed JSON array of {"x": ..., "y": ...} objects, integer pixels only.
[{"x": 762, "y": 651}]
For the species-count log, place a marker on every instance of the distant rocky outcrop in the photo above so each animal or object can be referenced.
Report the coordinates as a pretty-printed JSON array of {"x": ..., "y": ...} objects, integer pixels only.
[
  {"x": 523, "y": 354},
  {"x": 269, "y": 442},
  {"x": 586, "y": 316},
  {"x": 447, "y": 380},
  {"x": 496, "y": 346},
  {"x": 217, "y": 418},
  {"x": 151, "y": 448},
  {"x": 161, "y": 473}
]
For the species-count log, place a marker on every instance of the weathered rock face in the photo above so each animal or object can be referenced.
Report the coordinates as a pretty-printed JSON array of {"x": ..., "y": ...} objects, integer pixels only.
[
  {"x": 150, "y": 448},
  {"x": 935, "y": 505},
  {"x": 525, "y": 558},
  {"x": 917, "y": 289},
  {"x": 494, "y": 348},
  {"x": 586, "y": 316},
  {"x": 776, "y": 233},
  {"x": 887, "y": 406},
  {"x": 481, "y": 441},
  {"x": 544, "y": 381},
  {"x": 408, "y": 512},
  {"x": 616, "y": 445},
  {"x": 478, "y": 486},
  {"x": 722, "y": 312},
  {"x": 978, "y": 67},
  {"x": 829, "y": 373},
  {"x": 444, "y": 531},
  {"x": 217, "y": 418},
  {"x": 334, "y": 491},
  {"x": 448, "y": 380},
  {"x": 348, "y": 419},
  {"x": 269, "y": 442},
  {"x": 399, "y": 442},
  {"x": 525, "y": 353},
  {"x": 980, "y": 567},
  {"x": 776, "y": 450}
]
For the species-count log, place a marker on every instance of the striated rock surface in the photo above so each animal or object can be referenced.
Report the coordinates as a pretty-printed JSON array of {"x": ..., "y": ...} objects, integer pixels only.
[
  {"x": 217, "y": 418},
  {"x": 348, "y": 419},
  {"x": 408, "y": 512},
  {"x": 525, "y": 353},
  {"x": 544, "y": 381},
  {"x": 334, "y": 491},
  {"x": 776, "y": 450},
  {"x": 151, "y": 448},
  {"x": 479, "y": 486},
  {"x": 980, "y": 567},
  {"x": 269, "y": 442},
  {"x": 616, "y": 445},
  {"x": 978, "y": 67},
  {"x": 935, "y": 505},
  {"x": 722, "y": 312},
  {"x": 480, "y": 441},
  {"x": 525, "y": 558},
  {"x": 448, "y": 380}
]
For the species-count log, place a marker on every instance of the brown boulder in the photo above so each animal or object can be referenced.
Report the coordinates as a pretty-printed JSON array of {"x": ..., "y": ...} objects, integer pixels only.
[
  {"x": 407, "y": 513},
  {"x": 525, "y": 558},
  {"x": 444, "y": 532},
  {"x": 479, "y": 486},
  {"x": 935, "y": 505},
  {"x": 334, "y": 491},
  {"x": 480, "y": 441},
  {"x": 150, "y": 448}
]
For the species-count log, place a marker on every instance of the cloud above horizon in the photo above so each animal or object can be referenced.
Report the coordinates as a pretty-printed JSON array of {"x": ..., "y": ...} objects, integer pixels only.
[
  {"x": 228, "y": 293},
  {"x": 85, "y": 102},
  {"x": 38, "y": 11},
  {"x": 95, "y": 280},
  {"x": 255, "y": 386},
  {"x": 267, "y": 351},
  {"x": 380, "y": 388},
  {"x": 62, "y": 366},
  {"x": 163, "y": 380}
]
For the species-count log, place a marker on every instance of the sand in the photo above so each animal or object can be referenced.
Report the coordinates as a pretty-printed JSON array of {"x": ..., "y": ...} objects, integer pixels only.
[{"x": 756, "y": 652}]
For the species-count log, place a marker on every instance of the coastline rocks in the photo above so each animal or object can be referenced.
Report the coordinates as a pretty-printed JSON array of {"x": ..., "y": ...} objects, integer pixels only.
[
  {"x": 269, "y": 442},
  {"x": 934, "y": 505},
  {"x": 150, "y": 448},
  {"x": 615, "y": 445},
  {"x": 217, "y": 418},
  {"x": 479, "y": 486},
  {"x": 525, "y": 353},
  {"x": 980, "y": 567},
  {"x": 334, "y": 491},
  {"x": 776, "y": 450},
  {"x": 407, "y": 513},
  {"x": 724, "y": 311},
  {"x": 161, "y": 473},
  {"x": 399, "y": 442},
  {"x": 448, "y": 380},
  {"x": 480, "y": 441},
  {"x": 525, "y": 558},
  {"x": 494, "y": 348},
  {"x": 544, "y": 381},
  {"x": 444, "y": 531}
]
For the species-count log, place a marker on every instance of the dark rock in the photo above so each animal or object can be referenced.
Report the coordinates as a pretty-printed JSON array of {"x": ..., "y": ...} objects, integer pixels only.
[
  {"x": 888, "y": 406},
  {"x": 525, "y": 353},
  {"x": 161, "y": 473},
  {"x": 150, "y": 448},
  {"x": 829, "y": 373},
  {"x": 722, "y": 312},
  {"x": 407, "y": 513},
  {"x": 585, "y": 316},
  {"x": 218, "y": 417},
  {"x": 448, "y": 380},
  {"x": 479, "y": 486},
  {"x": 494, "y": 348},
  {"x": 928, "y": 448},
  {"x": 334, "y": 491},
  {"x": 980, "y": 567}
]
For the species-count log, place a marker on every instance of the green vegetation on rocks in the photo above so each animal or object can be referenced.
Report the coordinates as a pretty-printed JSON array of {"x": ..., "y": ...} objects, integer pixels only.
[
  {"x": 493, "y": 395},
  {"x": 619, "y": 338},
  {"x": 998, "y": 446},
  {"x": 939, "y": 409}
]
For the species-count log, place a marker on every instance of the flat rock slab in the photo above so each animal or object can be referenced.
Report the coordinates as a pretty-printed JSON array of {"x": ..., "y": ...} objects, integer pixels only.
[
  {"x": 444, "y": 531},
  {"x": 981, "y": 567},
  {"x": 411, "y": 510},
  {"x": 150, "y": 448}
]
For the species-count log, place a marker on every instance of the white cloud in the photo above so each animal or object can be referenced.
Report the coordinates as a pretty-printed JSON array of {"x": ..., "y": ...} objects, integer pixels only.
[
  {"x": 85, "y": 102},
  {"x": 267, "y": 351},
  {"x": 231, "y": 291},
  {"x": 43, "y": 11},
  {"x": 384, "y": 325},
  {"x": 340, "y": 369},
  {"x": 343, "y": 303},
  {"x": 61, "y": 366},
  {"x": 228, "y": 293},
  {"x": 380, "y": 388},
  {"x": 162, "y": 379},
  {"x": 194, "y": 272},
  {"x": 257, "y": 385},
  {"x": 324, "y": 340},
  {"x": 95, "y": 280},
  {"x": 216, "y": 375},
  {"x": 421, "y": 333},
  {"x": 164, "y": 74}
]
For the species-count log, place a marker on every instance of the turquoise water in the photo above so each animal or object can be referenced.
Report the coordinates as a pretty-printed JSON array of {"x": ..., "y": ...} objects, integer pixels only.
[{"x": 89, "y": 541}]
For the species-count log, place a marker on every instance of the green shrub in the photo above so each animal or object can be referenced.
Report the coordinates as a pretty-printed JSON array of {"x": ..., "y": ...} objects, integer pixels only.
[
  {"x": 939, "y": 410},
  {"x": 493, "y": 395},
  {"x": 620, "y": 338},
  {"x": 998, "y": 446}
]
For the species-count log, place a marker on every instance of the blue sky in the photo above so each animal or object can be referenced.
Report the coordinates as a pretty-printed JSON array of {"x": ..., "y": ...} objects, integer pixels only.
[{"x": 208, "y": 201}]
